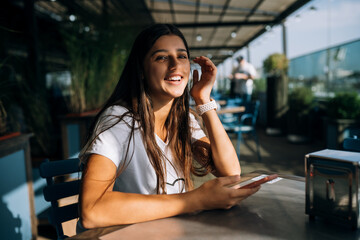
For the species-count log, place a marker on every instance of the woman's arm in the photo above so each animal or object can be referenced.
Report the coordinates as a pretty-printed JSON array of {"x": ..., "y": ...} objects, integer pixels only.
[
  {"x": 101, "y": 206},
  {"x": 223, "y": 153}
]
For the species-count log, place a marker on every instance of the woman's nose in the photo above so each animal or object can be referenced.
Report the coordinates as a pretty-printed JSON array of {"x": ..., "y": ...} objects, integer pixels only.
[{"x": 173, "y": 63}]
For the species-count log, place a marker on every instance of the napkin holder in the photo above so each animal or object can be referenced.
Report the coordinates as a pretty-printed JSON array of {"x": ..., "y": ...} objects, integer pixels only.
[{"x": 332, "y": 186}]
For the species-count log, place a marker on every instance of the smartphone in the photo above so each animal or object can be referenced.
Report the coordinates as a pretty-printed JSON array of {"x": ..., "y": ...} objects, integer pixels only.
[
  {"x": 260, "y": 181},
  {"x": 254, "y": 182}
]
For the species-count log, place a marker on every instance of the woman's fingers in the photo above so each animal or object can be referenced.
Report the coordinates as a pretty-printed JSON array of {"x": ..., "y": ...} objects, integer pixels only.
[
  {"x": 237, "y": 193},
  {"x": 240, "y": 193},
  {"x": 226, "y": 181},
  {"x": 205, "y": 63},
  {"x": 217, "y": 194},
  {"x": 208, "y": 71},
  {"x": 201, "y": 89},
  {"x": 202, "y": 60},
  {"x": 195, "y": 77}
]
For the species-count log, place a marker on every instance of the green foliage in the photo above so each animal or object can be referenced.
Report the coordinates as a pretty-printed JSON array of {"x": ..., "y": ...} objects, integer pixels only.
[
  {"x": 260, "y": 85},
  {"x": 6, "y": 96},
  {"x": 38, "y": 120},
  {"x": 301, "y": 100},
  {"x": 345, "y": 105},
  {"x": 3, "y": 119},
  {"x": 276, "y": 64},
  {"x": 95, "y": 65},
  {"x": 22, "y": 109}
]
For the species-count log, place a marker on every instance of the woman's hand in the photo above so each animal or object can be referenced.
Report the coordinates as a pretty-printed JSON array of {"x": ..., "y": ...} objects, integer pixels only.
[
  {"x": 201, "y": 89},
  {"x": 216, "y": 194}
]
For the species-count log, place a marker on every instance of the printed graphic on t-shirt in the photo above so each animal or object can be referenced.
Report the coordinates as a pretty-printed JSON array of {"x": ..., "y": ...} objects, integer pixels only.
[{"x": 177, "y": 186}]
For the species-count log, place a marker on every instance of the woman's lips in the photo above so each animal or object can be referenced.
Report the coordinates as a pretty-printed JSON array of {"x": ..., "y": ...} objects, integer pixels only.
[{"x": 173, "y": 78}]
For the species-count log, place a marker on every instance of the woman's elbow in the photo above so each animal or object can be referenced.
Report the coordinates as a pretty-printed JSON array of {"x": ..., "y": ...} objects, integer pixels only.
[{"x": 88, "y": 218}]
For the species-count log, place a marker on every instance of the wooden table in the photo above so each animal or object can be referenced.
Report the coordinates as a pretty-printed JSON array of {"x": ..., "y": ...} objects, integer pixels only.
[
  {"x": 277, "y": 211},
  {"x": 221, "y": 102},
  {"x": 237, "y": 109}
]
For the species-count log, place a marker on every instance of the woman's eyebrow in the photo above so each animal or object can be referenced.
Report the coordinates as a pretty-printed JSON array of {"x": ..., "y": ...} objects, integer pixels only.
[
  {"x": 164, "y": 50},
  {"x": 157, "y": 51}
]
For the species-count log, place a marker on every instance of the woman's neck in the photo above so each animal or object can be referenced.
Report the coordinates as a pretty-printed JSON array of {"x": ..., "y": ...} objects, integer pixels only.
[{"x": 161, "y": 112}]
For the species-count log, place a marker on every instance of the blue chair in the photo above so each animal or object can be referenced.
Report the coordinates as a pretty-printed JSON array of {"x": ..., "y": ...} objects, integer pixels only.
[
  {"x": 233, "y": 102},
  {"x": 216, "y": 95},
  {"x": 243, "y": 123},
  {"x": 231, "y": 117},
  {"x": 56, "y": 189},
  {"x": 352, "y": 142}
]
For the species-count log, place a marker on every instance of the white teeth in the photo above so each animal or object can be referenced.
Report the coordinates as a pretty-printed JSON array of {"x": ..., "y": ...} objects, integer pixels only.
[{"x": 175, "y": 78}]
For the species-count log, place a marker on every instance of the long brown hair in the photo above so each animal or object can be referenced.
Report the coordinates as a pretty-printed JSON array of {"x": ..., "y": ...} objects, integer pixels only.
[{"x": 131, "y": 92}]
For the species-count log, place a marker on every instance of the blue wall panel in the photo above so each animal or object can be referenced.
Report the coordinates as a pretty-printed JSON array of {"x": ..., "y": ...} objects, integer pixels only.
[{"x": 15, "y": 220}]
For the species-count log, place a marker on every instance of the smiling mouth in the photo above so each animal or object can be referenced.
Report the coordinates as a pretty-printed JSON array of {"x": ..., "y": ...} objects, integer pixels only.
[{"x": 174, "y": 79}]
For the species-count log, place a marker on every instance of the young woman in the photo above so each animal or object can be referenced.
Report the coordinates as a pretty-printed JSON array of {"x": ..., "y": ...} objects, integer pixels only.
[{"x": 139, "y": 158}]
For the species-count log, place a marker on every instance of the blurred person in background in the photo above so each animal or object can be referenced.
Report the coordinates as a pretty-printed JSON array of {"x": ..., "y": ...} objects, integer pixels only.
[{"x": 242, "y": 80}]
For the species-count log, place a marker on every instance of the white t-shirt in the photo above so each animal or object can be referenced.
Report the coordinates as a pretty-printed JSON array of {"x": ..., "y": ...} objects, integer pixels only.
[{"x": 139, "y": 176}]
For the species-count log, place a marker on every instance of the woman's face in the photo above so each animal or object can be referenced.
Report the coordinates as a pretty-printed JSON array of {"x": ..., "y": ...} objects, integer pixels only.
[{"x": 167, "y": 68}]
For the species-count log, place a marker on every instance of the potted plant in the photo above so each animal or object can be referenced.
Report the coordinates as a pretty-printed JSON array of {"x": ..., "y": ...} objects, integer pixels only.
[
  {"x": 301, "y": 103},
  {"x": 275, "y": 67},
  {"x": 343, "y": 113},
  {"x": 260, "y": 93}
]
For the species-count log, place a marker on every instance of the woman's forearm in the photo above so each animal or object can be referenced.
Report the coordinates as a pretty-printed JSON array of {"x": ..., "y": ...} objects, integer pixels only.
[
  {"x": 101, "y": 206},
  {"x": 224, "y": 155},
  {"x": 223, "y": 152},
  {"x": 116, "y": 208}
]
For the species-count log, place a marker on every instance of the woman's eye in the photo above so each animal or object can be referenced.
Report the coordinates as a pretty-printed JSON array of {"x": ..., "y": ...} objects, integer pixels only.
[
  {"x": 161, "y": 58},
  {"x": 164, "y": 58}
]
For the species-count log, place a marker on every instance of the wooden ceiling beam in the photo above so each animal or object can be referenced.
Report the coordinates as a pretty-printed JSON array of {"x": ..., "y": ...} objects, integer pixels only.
[
  {"x": 215, "y": 47},
  {"x": 225, "y": 24}
]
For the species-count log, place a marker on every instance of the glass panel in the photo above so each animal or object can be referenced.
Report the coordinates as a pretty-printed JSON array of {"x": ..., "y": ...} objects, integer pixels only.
[{"x": 328, "y": 71}]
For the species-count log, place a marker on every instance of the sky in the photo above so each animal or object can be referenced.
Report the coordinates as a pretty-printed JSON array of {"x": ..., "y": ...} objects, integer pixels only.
[{"x": 333, "y": 22}]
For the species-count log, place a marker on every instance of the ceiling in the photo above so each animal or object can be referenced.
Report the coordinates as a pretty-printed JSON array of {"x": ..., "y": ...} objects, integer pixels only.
[{"x": 224, "y": 26}]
